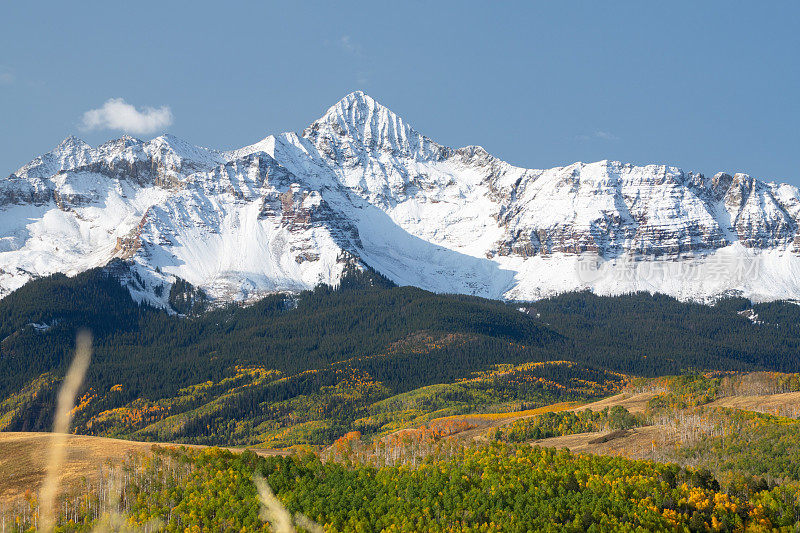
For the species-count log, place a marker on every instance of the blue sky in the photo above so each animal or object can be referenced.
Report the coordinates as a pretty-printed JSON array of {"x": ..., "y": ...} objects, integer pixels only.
[{"x": 707, "y": 86}]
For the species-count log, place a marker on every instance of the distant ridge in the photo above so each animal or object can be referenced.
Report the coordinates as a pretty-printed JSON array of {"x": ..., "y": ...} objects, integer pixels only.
[{"x": 360, "y": 187}]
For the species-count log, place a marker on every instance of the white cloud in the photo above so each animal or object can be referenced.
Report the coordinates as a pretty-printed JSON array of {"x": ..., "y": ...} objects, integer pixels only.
[
  {"x": 599, "y": 134},
  {"x": 116, "y": 114}
]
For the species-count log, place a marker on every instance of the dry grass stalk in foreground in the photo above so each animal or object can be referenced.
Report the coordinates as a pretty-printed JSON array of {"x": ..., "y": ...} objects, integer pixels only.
[
  {"x": 62, "y": 419},
  {"x": 279, "y": 518}
]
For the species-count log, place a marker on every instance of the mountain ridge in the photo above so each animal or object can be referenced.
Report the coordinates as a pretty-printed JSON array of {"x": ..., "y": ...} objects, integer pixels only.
[{"x": 360, "y": 186}]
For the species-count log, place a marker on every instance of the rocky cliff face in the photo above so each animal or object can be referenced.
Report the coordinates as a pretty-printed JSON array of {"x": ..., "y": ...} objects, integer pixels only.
[{"x": 361, "y": 186}]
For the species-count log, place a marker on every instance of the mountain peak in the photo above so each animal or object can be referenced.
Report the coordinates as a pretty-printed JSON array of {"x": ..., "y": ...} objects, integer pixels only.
[
  {"x": 130, "y": 140},
  {"x": 361, "y": 122},
  {"x": 201, "y": 157},
  {"x": 71, "y": 143},
  {"x": 358, "y": 95},
  {"x": 174, "y": 143},
  {"x": 355, "y": 106},
  {"x": 124, "y": 142}
]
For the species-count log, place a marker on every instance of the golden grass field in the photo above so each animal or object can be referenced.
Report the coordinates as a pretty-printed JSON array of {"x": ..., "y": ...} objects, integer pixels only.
[
  {"x": 635, "y": 403},
  {"x": 23, "y": 459},
  {"x": 636, "y": 444},
  {"x": 784, "y": 404},
  {"x": 511, "y": 415}
]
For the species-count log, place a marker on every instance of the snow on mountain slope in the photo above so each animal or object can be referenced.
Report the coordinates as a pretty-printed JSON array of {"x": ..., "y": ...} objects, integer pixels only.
[
  {"x": 246, "y": 228},
  {"x": 360, "y": 185}
]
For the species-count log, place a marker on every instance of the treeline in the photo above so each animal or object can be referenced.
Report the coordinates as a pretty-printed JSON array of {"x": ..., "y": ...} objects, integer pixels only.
[
  {"x": 557, "y": 424},
  {"x": 693, "y": 388}
]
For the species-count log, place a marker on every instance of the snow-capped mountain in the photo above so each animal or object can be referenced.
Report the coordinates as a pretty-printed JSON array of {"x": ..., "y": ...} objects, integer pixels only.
[{"x": 361, "y": 186}]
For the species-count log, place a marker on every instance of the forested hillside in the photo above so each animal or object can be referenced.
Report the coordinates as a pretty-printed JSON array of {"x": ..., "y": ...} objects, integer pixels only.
[{"x": 366, "y": 356}]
